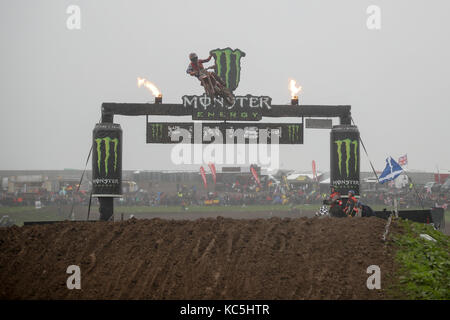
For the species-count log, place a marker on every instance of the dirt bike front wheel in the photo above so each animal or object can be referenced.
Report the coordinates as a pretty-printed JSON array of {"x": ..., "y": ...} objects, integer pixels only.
[{"x": 208, "y": 90}]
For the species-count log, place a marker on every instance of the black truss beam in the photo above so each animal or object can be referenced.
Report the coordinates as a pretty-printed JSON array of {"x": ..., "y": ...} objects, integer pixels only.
[{"x": 109, "y": 109}]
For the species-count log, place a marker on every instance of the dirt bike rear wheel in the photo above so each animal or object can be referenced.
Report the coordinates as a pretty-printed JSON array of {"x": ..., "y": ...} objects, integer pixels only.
[{"x": 227, "y": 95}]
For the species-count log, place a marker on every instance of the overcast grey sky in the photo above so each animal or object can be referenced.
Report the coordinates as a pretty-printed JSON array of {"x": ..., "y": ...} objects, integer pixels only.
[{"x": 53, "y": 80}]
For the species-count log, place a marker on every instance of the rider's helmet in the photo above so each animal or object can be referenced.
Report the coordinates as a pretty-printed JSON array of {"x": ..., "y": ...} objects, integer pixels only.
[
  {"x": 193, "y": 57},
  {"x": 351, "y": 192}
]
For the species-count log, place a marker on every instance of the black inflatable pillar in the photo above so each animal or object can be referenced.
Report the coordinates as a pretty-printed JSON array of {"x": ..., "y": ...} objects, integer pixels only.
[
  {"x": 345, "y": 159},
  {"x": 107, "y": 166}
]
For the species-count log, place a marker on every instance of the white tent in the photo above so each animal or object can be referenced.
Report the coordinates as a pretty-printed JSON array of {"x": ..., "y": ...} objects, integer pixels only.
[{"x": 300, "y": 177}]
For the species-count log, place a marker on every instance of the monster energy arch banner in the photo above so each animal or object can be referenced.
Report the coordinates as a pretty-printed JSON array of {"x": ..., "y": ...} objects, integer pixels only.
[
  {"x": 107, "y": 160},
  {"x": 244, "y": 108},
  {"x": 344, "y": 159}
]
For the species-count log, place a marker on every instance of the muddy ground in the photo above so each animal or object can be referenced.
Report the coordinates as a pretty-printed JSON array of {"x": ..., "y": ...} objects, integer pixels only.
[
  {"x": 213, "y": 258},
  {"x": 194, "y": 215}
]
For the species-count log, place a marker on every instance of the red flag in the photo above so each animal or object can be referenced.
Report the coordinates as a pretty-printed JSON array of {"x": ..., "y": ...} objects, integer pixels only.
[
  {"x": 314, "y": 170},
  {"x": 212, "y": 167},
  {"x": 202, "y": 172},
  {"x": 255, "y": 175}
]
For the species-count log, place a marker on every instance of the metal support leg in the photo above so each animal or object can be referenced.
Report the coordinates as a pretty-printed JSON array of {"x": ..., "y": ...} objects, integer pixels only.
[{"x": 106, "y": 208}]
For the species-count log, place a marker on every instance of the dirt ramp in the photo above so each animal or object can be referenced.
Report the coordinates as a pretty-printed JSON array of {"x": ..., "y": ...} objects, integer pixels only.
[{"x": 202, "y": 259}]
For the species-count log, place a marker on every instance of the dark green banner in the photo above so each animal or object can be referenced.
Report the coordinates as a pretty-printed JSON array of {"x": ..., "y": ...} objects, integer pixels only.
[{"x": 282, "y": 133}]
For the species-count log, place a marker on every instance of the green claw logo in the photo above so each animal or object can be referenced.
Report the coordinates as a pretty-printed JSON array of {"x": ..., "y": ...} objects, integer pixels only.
[
  {"x": 348, "y": 143},
  {"x": 157, "y": 131},
  {"x": 107, "y": 141},
  {"x": 293, "y": 132},
  {"x": 228, "y": 65}
]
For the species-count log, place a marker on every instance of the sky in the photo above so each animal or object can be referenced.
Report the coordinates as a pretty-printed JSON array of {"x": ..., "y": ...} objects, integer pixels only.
[{"x": 54, "y": 79}]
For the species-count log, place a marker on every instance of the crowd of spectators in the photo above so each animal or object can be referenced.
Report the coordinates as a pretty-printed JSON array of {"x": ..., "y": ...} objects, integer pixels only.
[
  {"x": 63, "y": 197},
  {"x": 248, "y": 192}
]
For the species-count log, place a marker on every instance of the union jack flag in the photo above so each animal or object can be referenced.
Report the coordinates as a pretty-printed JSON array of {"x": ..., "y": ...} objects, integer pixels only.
[{"x": 403, "y": 160}]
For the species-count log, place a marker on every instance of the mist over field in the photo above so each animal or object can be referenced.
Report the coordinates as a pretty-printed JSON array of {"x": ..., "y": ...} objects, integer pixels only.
[{"x": 54, "y": 79}]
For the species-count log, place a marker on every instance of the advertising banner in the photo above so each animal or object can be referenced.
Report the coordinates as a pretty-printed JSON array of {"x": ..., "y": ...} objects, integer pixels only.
[
  {"x": 107, "y": 160},
  {"x": 241, "y": 133},
  {"x": 345, "y": 159}
]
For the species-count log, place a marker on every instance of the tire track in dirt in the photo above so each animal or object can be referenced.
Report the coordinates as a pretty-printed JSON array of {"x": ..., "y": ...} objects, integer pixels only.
[{"x": 203, "y": 259}]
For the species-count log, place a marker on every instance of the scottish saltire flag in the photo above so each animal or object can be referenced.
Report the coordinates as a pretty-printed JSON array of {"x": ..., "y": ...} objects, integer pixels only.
[
  {"x": 403, "y": 160},
  {"x": 392, "y": 171}
]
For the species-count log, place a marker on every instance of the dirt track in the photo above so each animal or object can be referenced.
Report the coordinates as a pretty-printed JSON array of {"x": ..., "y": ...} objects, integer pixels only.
[
  {"x": 194, "y": 215},
  {"x": 219, "y": 258}
]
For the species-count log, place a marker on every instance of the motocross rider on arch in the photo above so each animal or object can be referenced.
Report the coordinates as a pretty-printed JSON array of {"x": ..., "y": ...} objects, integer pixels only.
[{"x": 196, "y": 68}]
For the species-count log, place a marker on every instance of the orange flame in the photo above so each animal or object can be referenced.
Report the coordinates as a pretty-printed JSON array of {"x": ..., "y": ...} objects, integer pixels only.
[
  {"x": 150, "y": 86},
  {"x": 293, "y": 88}
]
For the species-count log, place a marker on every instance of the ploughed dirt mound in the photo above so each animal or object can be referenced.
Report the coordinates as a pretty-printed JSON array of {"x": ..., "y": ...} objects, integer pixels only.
[{"x": 203, "y": 259}]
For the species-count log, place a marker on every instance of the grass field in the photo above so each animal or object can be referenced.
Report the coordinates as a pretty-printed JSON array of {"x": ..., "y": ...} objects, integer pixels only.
[
  {"x": 424, "y": 264},
  {"x": 21, "y": 214}
]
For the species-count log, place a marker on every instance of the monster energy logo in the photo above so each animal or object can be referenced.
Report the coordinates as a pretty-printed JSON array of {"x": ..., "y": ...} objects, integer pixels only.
[
  {"x": 348, "y": 143},
  {"x": 157, "y": 131},
  {"x": 228, "y": 63},
  {"x": 293, "y": 131},
  {"x": 107, "y": 141}
]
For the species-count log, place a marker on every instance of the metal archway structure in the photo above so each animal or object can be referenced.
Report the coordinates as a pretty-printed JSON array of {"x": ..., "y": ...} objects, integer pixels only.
[{"x": 107, "y": 143}]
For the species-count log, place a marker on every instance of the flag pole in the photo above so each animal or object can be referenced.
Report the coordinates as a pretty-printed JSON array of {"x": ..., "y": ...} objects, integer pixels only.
[
  {"x": 405, "y": 170},
  {"x": 89, "y": 206},
  {"x": 364, "y": 147},
  {"x": 415, "y": 190}
]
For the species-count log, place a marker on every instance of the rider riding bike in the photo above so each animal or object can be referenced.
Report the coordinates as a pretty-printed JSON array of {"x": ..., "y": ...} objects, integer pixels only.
[{"x": 196, "y": 66}]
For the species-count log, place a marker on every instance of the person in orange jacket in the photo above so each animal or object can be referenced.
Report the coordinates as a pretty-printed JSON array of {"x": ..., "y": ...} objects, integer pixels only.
[
  {"x": 351, "y": 209},
  {"x": 335, "y": 198},
  {"x": 335, "y": 203}
]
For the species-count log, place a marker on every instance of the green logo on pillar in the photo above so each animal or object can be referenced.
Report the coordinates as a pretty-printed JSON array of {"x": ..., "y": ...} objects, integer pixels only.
[
  {"x": 347, "y": 143},
  {"x": 157, "y": 131},
  {"x": 108, "y": 150},
  {"x": 293, "y": 130},
  {"x": 228, "y": 65}
]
